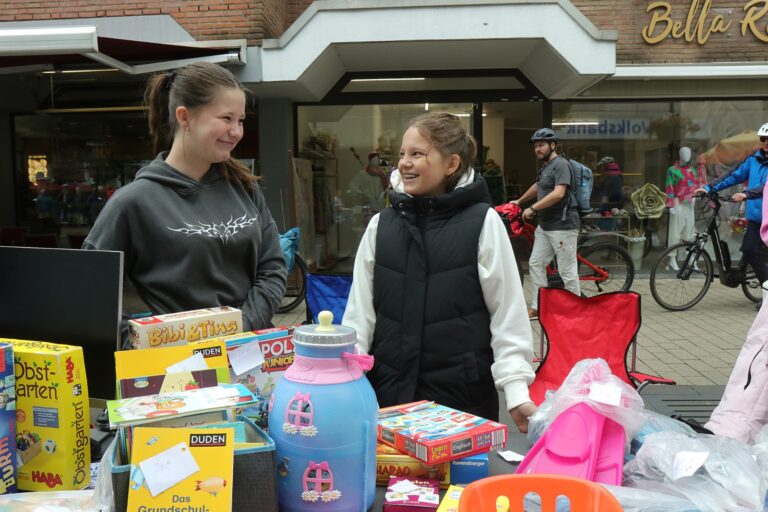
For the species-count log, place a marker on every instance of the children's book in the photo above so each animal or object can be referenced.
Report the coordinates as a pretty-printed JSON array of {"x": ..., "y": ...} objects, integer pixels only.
[
  {"x": 434, "y": 433},
  {"x": 172, "y": 382},
  {"x": 181, "y": 469},
  {"x": 130, "y": 364},
  {"x": 147, "y": 409}
]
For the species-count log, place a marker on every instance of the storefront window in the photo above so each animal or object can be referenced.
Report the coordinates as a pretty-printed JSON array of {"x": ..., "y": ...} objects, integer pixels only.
[
  {"x": 644, "y": 139},
  {"x": 350, "y": 150},
  {"x": 68, "y": 165}
]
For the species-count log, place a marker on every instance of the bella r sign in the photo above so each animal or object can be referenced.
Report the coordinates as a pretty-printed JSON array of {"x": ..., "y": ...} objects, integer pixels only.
[{"x": 700, "y": 23}]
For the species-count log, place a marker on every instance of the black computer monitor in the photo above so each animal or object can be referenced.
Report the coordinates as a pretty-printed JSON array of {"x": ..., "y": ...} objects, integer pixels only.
[{"x": 65, "y": 296}]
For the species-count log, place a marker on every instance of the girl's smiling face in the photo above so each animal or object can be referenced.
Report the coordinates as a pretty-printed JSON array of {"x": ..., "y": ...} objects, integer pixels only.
[
  {"x": 217, "y": 127},
  {"x": 422, "y": 167}
]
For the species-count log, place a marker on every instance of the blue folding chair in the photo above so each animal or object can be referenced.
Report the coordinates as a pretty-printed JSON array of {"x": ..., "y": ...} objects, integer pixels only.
[{"x": 327, "y": 292}]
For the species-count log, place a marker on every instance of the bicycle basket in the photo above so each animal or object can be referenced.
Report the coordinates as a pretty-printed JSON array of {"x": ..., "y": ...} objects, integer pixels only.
[{"x": 512, "y": 215}]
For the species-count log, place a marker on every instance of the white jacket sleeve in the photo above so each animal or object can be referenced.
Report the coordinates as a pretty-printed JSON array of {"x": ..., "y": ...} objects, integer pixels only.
[
  {"x": 359, "y": 313},
  {"x": 511, "y": 338}
]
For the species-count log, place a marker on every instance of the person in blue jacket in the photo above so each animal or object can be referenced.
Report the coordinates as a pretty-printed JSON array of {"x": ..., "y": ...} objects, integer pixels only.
[{"x": 753, "y": 170}]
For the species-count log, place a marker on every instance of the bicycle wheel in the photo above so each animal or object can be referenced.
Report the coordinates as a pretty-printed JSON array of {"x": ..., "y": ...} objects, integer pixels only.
[
  {"x": 296, "y": 286},
  {"x": 678, "y": 290},
  {"x": 751, "y": 285},
  {"x": 606, "y": 268}
]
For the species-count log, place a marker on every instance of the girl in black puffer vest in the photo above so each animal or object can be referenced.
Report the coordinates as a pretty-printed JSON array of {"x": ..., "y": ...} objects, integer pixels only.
[{"x": 436, "y": 297}]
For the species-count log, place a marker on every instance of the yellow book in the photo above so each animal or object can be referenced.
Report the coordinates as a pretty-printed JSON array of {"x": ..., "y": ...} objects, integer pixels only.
[
  {"x": 52, "y": 416},
  {"x": 130, "y": 364},
  {"x": 181, "y": 469},
  {"x": 450, "y": 502}
]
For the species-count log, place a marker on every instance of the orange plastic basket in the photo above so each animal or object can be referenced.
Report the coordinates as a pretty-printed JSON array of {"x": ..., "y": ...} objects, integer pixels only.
[{"x": 481, "y": 496}]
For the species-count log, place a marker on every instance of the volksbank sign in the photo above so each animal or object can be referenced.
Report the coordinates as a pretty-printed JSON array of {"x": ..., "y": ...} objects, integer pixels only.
[{"x": 607, "y": 129}]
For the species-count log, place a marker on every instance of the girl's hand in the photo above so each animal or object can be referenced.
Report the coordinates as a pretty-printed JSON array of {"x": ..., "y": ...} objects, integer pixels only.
[
  {"x": 739, "y": 197},
  {"x": 520, "y": 415}
]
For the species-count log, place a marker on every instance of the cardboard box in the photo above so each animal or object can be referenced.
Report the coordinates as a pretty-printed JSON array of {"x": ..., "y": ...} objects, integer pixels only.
[
  {"x": 276, "y": 346},
  {"x": 184, "y": 327},
  {"x": 391, "y": 462},
  {"x": 425, "y": 496},
  {"x": 52, "y": 416},
  {"x": 467, "y": 470},
  {"x": 434, "y": 433},
  {"x": 7, "y": 420}
]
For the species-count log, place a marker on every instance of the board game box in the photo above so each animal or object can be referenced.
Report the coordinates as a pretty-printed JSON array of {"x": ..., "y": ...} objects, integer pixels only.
[
  {"x": 52, "y": 416},
  {"x": 7, "y": 420},
  {"x": 184, "y": 327},
  {"x": 434, "y": 433}
]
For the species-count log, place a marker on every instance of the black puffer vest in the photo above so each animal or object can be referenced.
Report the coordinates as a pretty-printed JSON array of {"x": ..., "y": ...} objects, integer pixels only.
[{"x": 432, "y": 335}]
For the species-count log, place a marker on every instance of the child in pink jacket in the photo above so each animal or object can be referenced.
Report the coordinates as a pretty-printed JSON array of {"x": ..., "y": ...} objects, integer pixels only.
[{"x": 743, "y": 410}]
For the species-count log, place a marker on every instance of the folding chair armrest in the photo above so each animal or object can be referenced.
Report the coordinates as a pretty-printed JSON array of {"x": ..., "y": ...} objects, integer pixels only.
[{"x": 643, "y": 379}]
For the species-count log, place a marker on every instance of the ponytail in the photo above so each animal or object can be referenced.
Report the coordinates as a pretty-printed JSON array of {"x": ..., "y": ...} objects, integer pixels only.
[{"x": 157, "y": 99}]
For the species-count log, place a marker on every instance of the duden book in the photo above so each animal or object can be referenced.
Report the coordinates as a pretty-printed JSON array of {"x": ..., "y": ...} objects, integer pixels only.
[{"x": 181, "y": 469}]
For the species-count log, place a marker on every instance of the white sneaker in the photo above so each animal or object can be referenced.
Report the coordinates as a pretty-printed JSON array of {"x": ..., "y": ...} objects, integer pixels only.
[{"x": 673, "y": 264}]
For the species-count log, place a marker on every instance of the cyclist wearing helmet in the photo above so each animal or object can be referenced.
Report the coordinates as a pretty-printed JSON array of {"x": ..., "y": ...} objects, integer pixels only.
[
  {"x": 753, "y": 170},
  {"x": 558, "y": 217}
]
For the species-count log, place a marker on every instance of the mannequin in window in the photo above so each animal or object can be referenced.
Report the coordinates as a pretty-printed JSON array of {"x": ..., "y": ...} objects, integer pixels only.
[
  {"x": 682, "y": 180},
  {"x": 366, "y": 192}
]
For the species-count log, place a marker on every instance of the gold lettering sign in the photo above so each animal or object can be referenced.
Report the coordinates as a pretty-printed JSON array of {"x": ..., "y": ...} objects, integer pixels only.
[{"x": 700, "y": 24}]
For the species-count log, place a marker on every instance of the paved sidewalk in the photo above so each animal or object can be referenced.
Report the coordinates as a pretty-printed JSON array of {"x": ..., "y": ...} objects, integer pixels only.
[{"x": 694, "y": 347}]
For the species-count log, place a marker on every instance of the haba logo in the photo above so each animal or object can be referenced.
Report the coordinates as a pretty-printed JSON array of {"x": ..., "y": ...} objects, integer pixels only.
[
  {"x": 69, "y": 367},
  {"x": 221, "y": 230},
  {"x": 49, "y": 479}
]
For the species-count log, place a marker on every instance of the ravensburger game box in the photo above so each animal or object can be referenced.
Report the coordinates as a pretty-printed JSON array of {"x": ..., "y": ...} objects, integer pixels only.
[{"x": 52, "y": 416}]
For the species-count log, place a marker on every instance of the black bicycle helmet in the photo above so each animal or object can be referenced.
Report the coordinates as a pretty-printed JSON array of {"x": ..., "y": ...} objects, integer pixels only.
[{"x": 545, "y": 134}]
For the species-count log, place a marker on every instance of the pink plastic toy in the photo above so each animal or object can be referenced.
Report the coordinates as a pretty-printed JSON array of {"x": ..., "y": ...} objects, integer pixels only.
[{"x": 580, "y": 443}]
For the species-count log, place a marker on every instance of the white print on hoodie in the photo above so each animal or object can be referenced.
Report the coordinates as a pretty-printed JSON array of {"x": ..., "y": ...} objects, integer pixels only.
[{"x": 222, "y": 230}]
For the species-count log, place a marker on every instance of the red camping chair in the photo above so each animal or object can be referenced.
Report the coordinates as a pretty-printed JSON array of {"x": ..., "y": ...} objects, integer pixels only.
[{"x": 577, "y": 328}]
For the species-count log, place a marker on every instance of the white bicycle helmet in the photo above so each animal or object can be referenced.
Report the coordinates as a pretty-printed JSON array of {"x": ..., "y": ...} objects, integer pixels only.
[{"x": 763, "y": 131}]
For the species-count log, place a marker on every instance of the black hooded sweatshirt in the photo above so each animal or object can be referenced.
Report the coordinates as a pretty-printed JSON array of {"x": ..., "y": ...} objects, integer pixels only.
[{"x": 191, "y": 244}]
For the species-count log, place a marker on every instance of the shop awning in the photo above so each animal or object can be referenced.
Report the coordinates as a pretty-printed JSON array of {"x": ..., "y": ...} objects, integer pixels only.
[
  {"x": 27, "y": 49},
  {"x": 554, "y": 46}
]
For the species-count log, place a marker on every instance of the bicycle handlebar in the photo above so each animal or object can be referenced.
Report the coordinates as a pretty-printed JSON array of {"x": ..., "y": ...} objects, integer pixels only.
[{"x": 714, "y": 196}]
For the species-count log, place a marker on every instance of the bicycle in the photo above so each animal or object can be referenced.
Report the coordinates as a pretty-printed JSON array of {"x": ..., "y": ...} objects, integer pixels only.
[
  {"x": 682, "y": 288},
  {"x": 602, "y": 266},
  {"x": 296, "y": 285}
]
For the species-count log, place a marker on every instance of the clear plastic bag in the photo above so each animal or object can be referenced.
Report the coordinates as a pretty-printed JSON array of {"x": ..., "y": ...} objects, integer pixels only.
[
  {"x": 577, "y": 387},
  {"x": 104, "y": 494},
  {"x": 655, "y": 422},
  {"x": 61, "y": 501},
  {"x": 725, "y": 478}
]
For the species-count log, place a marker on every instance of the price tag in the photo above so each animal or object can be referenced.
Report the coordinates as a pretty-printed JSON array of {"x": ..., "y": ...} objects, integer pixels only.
[
  {"x": 167, "y": 468},
  {"x": 687, "y": 463},
  {"x": 246, "y": 357},
  {"x": 403, "y": 486},
  {"x": 190, "y": 364},
  {"x": 608, "y": 394},
  {"x": 510, "y": 456}
]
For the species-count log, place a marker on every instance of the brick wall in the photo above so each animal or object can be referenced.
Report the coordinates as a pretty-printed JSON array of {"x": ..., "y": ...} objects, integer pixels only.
[
  {"x": 203, "y": 19},
  {"x": 630, "y": 16},
  {"x": 260, "y": 19}
]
